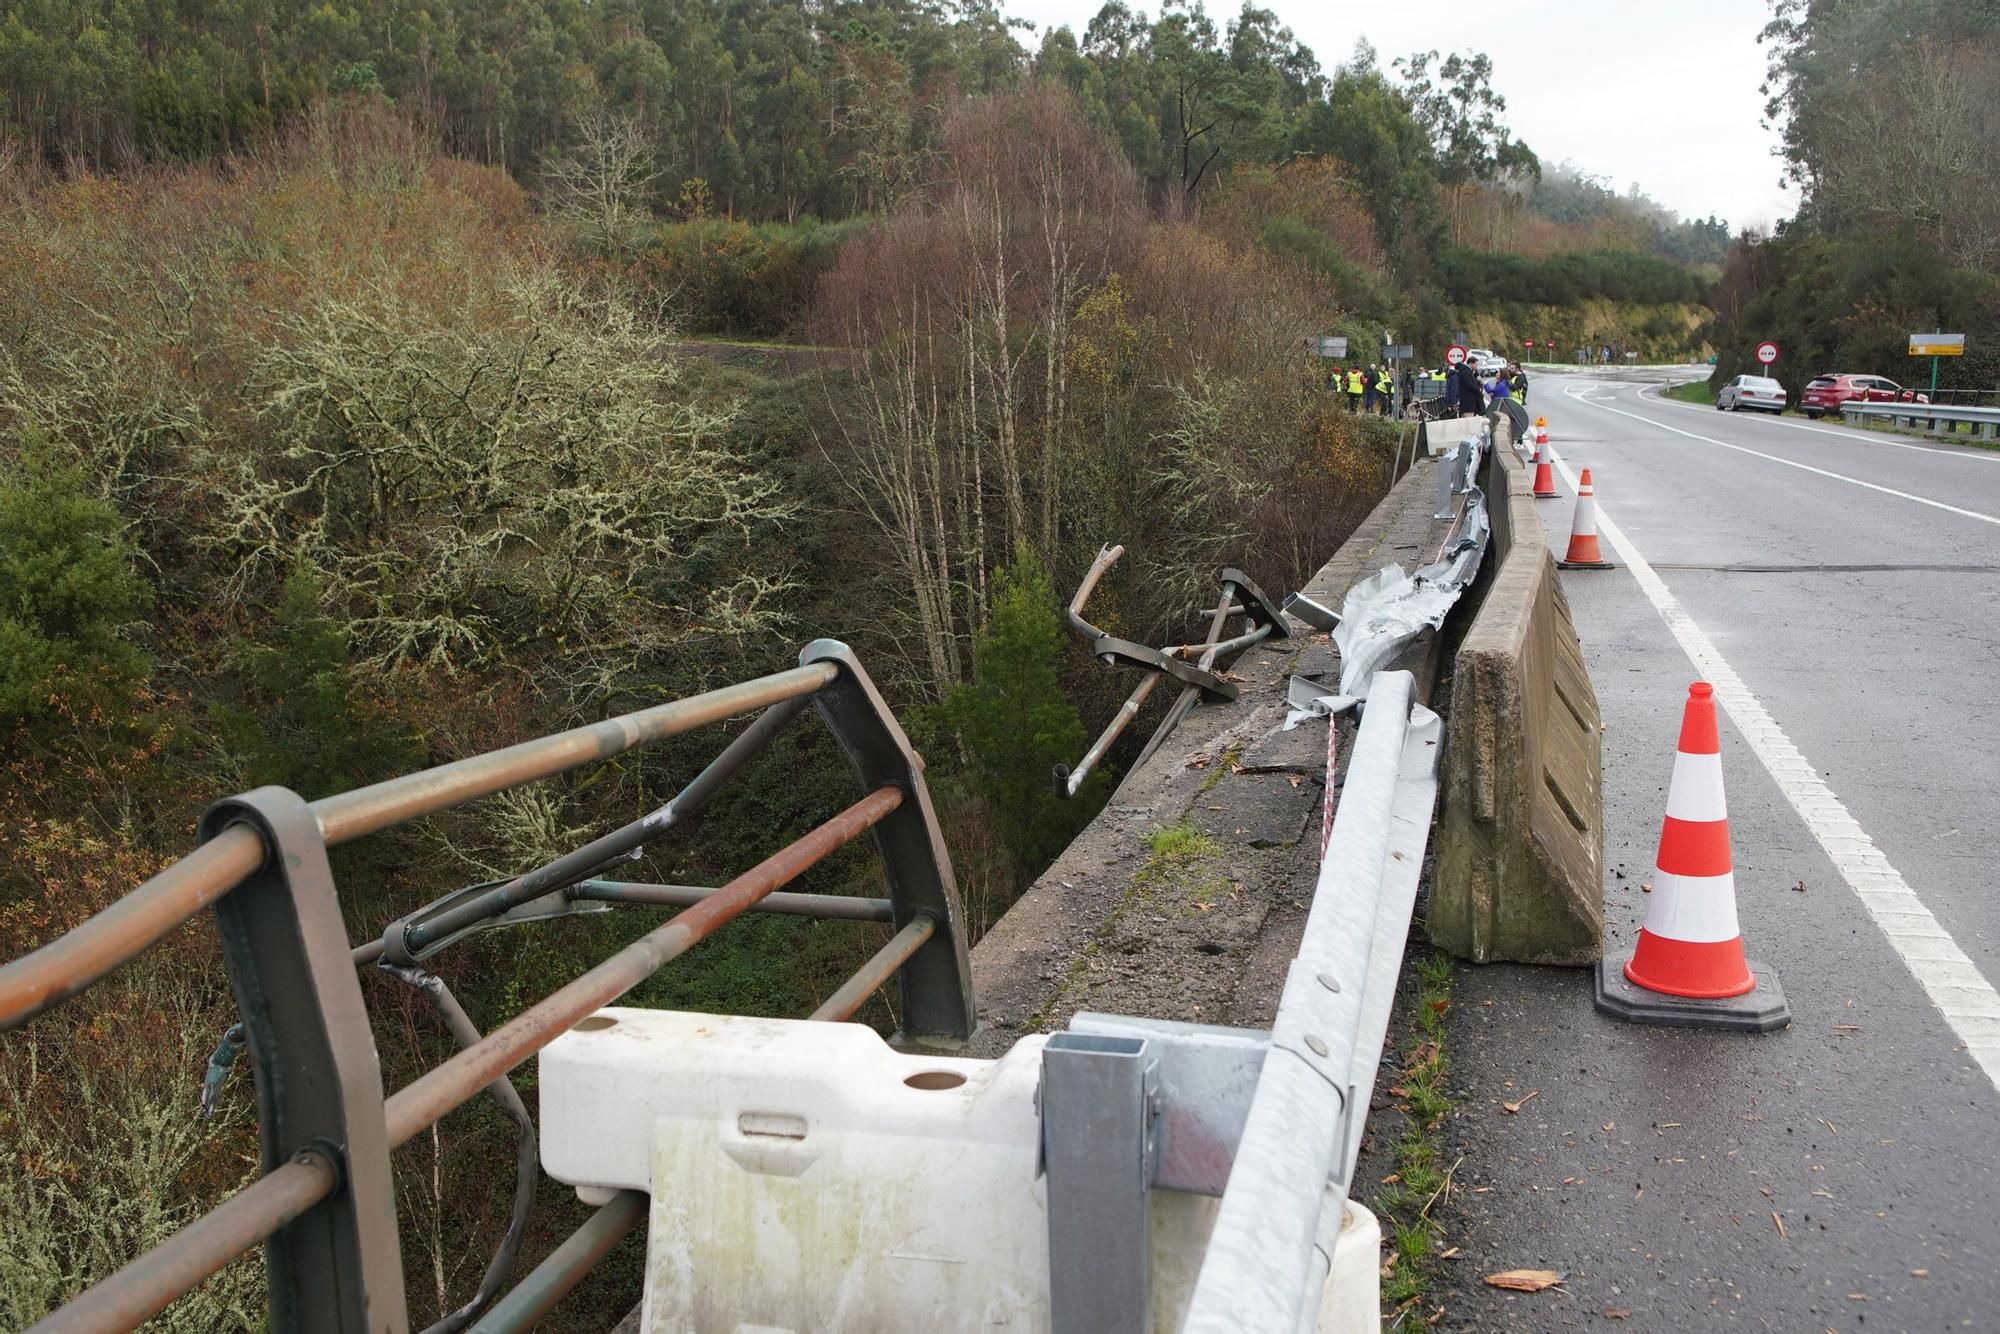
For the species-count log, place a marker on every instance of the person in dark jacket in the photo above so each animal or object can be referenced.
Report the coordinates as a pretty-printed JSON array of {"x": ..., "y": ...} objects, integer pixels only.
[{"x": 1471, "y": 394}]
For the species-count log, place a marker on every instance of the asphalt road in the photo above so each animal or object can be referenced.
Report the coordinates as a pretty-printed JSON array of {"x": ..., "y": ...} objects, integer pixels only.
[{"x": 1840, "y": 1174}]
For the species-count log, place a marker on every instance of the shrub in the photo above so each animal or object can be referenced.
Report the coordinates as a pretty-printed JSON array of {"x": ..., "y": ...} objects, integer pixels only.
[{"x": 68, "y": 592}]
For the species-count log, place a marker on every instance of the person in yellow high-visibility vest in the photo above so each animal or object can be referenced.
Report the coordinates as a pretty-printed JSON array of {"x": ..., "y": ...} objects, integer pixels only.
[
  {"x": 1385, "y": 390},
  {"x": 1354, "y": 386}
]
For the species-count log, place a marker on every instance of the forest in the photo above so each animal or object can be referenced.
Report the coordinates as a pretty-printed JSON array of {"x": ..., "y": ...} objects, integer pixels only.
[
  {"x": 385, "y": 383},
  {"x": 1896, "y": 233}
]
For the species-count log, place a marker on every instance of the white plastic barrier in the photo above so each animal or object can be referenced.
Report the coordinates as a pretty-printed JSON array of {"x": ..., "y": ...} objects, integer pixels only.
[
  {"x": 1442, "y": 436},
  {"x": 807, "y": 1177}
]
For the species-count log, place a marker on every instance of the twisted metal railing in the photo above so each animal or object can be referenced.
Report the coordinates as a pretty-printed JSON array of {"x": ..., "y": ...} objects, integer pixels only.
[
  {"x": 324, "y": 1209},
  {"x": 1193, "y": 665}
]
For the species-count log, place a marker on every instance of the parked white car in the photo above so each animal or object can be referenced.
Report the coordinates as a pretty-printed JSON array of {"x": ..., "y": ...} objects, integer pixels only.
[
  {"x": 1485, "y": 361},
  {"x": 1758, "y": 392}
]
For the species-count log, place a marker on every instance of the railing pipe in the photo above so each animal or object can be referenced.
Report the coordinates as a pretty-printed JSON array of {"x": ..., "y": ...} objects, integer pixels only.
[
  {"x": 70, "y": 963},
  {"x": 551, "y": 1280},
  {"x": 73, "y": 961},
  {"x": 602, "y": 852},
  {"x": 854, "y": 993},
  {"x": 423, "y": 1102},
  {"x": 380, "y": 805},
  {"x": 843, "y": 907},
  {"x": 145, "y": 1287}
]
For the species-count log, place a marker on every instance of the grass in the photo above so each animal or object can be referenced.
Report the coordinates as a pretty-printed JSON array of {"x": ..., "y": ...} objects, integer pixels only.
[
  {"x": 1421, "y": 1178},
  {"x": 1177, "y": 845},
  {"x": 1694, "y": 391}
]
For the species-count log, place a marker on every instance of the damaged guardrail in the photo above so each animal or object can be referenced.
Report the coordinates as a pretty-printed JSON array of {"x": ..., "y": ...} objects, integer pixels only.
[{"x": 1193, "y": 665}]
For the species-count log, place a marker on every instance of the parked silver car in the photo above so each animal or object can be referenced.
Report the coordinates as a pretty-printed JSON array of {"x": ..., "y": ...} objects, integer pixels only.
[{"x": 1760, "y": 392}]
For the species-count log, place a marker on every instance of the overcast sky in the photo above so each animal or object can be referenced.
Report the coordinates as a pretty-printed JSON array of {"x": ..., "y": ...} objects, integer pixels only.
[{"x": 1629, "y": 90}]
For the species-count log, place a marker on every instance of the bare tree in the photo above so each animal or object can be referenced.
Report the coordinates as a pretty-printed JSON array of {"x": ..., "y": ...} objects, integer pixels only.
[{"x": 602, "y": 180}]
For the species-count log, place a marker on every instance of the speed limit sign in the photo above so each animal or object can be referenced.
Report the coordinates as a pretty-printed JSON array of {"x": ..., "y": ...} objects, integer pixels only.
[
  {"x": 1454, "y": 355},
  {"x": 1767, "y": 352}
]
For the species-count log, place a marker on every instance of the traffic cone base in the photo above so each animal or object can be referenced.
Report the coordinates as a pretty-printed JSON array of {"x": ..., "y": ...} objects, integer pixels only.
[
  {"x": 1759, "y": 1010},
  {"x": 1688, "y": 966}
]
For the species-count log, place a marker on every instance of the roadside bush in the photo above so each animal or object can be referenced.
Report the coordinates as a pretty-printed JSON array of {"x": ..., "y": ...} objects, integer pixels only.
[{"x": 721, "y": 276}]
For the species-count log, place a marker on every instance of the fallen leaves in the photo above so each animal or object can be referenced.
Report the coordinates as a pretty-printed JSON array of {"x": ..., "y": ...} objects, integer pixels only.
[
  {"x": 1799, "y": 888},
  {"x": 1524, "y": 1280},
  {"x": 1608, "y": 1127},
  {"x": 1514, "y": 1107},
  {"x": 1617, "y": 1313},
  {"x": 1778, "y": 1223},
  {"x": 1645, "y": 886}
]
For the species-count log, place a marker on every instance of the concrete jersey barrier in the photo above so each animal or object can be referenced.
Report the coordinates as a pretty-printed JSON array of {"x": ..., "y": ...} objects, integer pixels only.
[{"x": 1520, "y": 840}]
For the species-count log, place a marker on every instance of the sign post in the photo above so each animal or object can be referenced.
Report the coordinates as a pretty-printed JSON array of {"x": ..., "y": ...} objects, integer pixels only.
[{"x": 1935, "y": 345}]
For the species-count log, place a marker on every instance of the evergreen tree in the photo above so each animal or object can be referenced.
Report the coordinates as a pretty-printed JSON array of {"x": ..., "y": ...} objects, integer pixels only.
[
  {"x": 67, "y": 591},
  {"x": 1016, "y": 723}
]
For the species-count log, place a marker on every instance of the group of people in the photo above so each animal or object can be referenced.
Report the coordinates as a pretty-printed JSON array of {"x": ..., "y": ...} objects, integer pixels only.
[
  {"x": 1370, "y": 390},
  {"x": 1460, "y": 391},
  {"x": 1457, "y": 388}
]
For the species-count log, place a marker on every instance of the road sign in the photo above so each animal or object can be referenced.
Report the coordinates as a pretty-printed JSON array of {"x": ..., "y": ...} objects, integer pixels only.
[
  {"x": 1333, "y": 347},
  {"x": 1454, "y": 355},
  {"x": 1399, "y": 352},
  {"x": 1767, "y": 352},
  {"x": 1937, "y": 345},
  {"x": 1551, "y": 344}
]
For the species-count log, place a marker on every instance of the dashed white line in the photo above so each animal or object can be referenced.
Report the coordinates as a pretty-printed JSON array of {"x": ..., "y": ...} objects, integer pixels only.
[
  {"x": 1790, "y": 463},
  {"x": 1953, "y": 982}
]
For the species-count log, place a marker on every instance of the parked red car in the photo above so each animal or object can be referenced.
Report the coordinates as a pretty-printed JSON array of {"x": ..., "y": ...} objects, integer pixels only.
[{"x": 1827, "y": 392}]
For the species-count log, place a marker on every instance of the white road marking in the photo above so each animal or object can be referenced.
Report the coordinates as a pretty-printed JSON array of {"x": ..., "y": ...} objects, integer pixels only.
[
  {"x": 1970, "y": 454},
  {"x": 1789, "y": 463},
  {"x": 1953, "y": 982}
]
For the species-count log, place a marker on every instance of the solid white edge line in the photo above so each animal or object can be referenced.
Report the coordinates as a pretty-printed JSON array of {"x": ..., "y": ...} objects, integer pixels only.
[
  {"x": 1953, "y": 982},
  {"x": 1789, "y": 463},
  {"x": 1968, "y": 452}
]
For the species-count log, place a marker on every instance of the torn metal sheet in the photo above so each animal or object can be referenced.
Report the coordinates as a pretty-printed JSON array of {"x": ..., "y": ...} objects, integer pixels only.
[{"x": 1387, "y": 610}]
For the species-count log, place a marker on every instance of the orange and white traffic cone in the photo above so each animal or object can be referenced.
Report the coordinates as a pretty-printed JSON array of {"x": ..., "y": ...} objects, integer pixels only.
[
  {"x": 1583, "y": 553},
  {"x": 1541, "y": 436},
  {"x": 1688, "y": 967},
  {"x": 1545, "y": 473}
]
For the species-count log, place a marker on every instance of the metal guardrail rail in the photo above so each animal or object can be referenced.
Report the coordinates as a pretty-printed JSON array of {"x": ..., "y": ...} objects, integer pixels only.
[
  {"x": 1987, "y": 420},
  {"x": 1269, "y": 1254},
  {"x": 325, "y": 1209}
]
